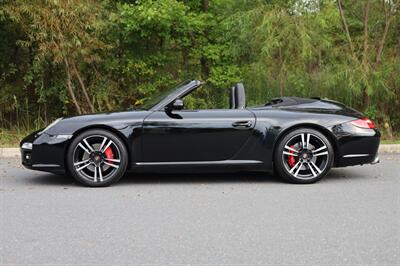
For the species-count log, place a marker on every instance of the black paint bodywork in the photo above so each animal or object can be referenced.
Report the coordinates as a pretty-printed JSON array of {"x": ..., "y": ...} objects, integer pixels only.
[{"x": 160, "y": 139}]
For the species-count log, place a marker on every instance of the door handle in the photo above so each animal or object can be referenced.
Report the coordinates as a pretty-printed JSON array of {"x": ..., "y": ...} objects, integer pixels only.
[{"x": 242, "y": 124}]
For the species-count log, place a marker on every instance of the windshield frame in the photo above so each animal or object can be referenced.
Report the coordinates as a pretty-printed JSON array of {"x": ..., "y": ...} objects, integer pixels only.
[{"x": 179, "y": 91}]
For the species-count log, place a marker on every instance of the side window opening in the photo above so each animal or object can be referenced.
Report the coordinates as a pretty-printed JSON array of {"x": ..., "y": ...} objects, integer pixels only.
[{"x": 208, "y": 97}]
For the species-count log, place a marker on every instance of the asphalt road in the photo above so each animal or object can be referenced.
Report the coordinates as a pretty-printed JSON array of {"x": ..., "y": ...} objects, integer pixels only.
[{"x": 350, "y": 217}]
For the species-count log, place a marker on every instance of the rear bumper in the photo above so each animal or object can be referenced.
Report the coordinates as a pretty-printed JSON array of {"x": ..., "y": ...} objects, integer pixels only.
[
  {"x": 376, "y": 160},
  {"x": 356, "y": 146},
  {"x": 359, "y": 159}
]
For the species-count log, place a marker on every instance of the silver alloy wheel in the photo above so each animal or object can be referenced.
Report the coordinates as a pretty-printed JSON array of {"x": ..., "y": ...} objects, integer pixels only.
[
  {"x": 305, "y": 156},
  {"x": 90, "y": 159}
]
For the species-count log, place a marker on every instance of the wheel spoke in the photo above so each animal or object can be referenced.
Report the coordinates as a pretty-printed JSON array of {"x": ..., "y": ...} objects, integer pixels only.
[
  {"x": 88, "y": 145},
  {"x": 303, "y": 144},
  {"x": 108, "y": 145},
  {"x": 100, "y": 174},
  {"x": 319, "y": 149},
  {"x": 102, "y": 144},
  {"x": 83, "y": 148},
  {"x": 112, "y": 165},
  {"x": 113, "y": 160},
  {"x": 81, "y": 162},
  {"x": 82, "y": 167},
  {"x": 95, "y": 174},
  {"x": 298, "y": 169},
  {"x": 312, "y": 170},
  {"x": 316, "y": 167},
  {"x": 322, "y": 153},
  {"x": 289, "y": 154},
  {"x": 308, "y": 141},
  {"x": 294, "y": 167},
  {"x": 291, "y": 149}
]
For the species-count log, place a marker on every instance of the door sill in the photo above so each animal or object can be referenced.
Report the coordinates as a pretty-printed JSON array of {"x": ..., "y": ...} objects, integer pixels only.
[{"x": 223, "y": 162}]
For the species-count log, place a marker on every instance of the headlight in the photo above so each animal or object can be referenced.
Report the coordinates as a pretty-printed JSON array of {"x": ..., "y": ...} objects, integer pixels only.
[
  {"x": 51, "y": 125},
  {"x": 27, "y": 146}
]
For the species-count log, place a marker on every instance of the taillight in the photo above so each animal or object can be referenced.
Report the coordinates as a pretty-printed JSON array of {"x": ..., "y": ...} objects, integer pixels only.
[{"x": 363, "y": 123}]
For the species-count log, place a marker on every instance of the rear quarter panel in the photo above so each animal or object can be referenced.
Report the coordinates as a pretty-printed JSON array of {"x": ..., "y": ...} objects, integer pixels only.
[{"x": 273, "y": 123}]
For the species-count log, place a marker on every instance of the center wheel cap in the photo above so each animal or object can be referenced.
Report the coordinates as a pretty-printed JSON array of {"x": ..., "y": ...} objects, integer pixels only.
[
  {"x": 97, "y": 158},
  {"x": 306, "y": 155}
]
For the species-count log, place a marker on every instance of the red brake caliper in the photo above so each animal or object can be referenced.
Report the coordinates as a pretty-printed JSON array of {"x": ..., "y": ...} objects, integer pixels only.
[
  {"x": 109, "y": 153},
  {"x": 291, "y": 160}
]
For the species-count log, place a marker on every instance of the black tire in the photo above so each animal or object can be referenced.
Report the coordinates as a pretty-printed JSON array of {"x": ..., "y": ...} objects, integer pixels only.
[
  {"x": 104, "y": 155},
  {"x": 300, "y": 156}
]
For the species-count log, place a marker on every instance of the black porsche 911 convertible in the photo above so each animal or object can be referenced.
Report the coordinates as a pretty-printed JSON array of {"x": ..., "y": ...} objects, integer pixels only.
[{"x": 300, "y": 139}]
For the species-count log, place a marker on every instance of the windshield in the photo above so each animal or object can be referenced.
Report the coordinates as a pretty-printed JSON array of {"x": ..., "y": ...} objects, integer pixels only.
[{"x": 149, "y": 102}]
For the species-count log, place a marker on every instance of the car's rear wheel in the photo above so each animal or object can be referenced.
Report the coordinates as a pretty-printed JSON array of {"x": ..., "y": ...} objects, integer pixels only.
[
  {"x": 97, "y": 158},
  {"x": 303, "y": 156}
]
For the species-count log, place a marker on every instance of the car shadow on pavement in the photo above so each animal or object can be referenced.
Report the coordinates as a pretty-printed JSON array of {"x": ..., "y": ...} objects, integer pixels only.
[
  {"x": 243, "y": 177},
  {"x": 49, "y": 179},
  {"x": 335, "y": 175},
  {"x": 152, "y": 178}
]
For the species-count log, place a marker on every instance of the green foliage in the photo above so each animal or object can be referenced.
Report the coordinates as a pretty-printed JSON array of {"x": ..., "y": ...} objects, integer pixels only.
[{"x": 78, "y": 56}]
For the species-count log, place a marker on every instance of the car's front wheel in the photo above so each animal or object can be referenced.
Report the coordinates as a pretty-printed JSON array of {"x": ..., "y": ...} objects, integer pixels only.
[
  {"x": 303, "y": 156},
  {"x": 97, "y": 158}
]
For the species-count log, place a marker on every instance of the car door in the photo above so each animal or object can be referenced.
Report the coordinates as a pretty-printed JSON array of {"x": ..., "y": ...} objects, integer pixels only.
[{"x": 195, "y": 135}]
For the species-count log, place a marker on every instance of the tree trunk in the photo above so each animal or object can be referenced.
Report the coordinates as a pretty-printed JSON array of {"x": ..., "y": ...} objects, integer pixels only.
[
  {"x": 83, "y": 87},
  {"x": 204, "y": 5},
  {"x": 387, "y": 125},
  {"x": 389, "y": 16},
  {"x": 281, "y": 78},
  {"x": 70, "y": 89},
  {"x": 203, "y": 60},
  {"x": 185, "y": 58},
  {"x": 108, "y": 104},
  {"x": 382, "y": 43},
  {"x": 345, "y": 26},
  {"x": 365, "y": 52},
  {"x": 398, "y": 47},
  {"x": 281, "y": 85}
]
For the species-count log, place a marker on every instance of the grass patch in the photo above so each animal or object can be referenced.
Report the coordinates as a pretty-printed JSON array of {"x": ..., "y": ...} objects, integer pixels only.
[
  {"x": 11, "y": 138},
  {"x": 388, "y": 141}
]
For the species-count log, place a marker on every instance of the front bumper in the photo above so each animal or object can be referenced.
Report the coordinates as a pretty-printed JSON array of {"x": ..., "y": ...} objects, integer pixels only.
[{"x": 44, "y": 152}]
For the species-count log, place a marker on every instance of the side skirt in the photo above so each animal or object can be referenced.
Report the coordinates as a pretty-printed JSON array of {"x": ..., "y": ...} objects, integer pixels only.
[{"x": 199, "y": 166}]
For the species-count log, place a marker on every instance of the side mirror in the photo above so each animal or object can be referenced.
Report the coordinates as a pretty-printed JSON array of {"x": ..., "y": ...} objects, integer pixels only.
[{"x": 177, "y": 104}]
